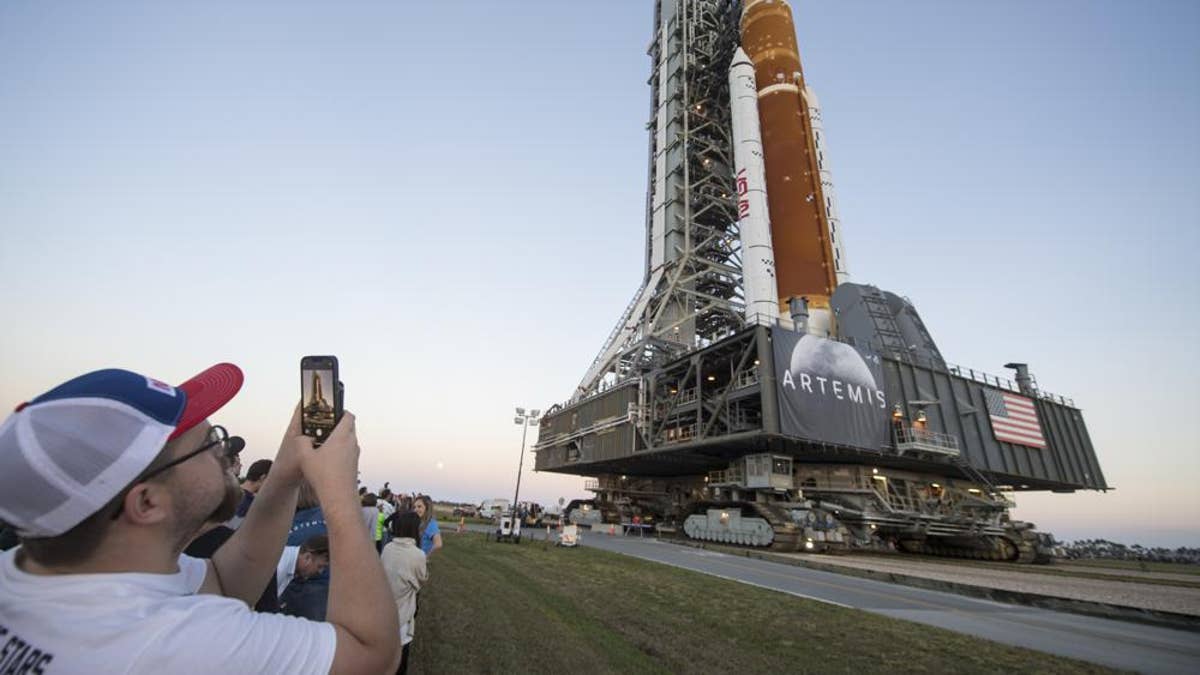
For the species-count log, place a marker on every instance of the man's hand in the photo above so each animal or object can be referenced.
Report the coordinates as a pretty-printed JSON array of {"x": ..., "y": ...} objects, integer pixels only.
[
  {"x": 245, "y": 563},
  {"x": 361, "y": 607},
  {"x": 285, "y": 470},
  {"x": 333, "y": 467}
]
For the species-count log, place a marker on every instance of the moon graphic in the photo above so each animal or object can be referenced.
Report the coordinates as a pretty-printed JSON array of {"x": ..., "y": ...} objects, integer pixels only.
[
  {"x": 835, "y": 360},
  {"x": 830, "y": 394}
]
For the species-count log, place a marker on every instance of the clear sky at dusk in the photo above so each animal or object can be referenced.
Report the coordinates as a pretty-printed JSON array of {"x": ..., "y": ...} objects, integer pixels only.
[{"x": 450, "y": 196}]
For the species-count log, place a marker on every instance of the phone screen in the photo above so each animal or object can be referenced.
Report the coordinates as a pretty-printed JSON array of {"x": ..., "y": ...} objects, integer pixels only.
[{"x": 320, "y": 407}]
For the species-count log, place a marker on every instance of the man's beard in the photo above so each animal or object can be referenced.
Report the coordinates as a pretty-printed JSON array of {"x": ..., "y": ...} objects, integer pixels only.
[
  {"x": 229, "y": 503},
  {"x": 188, "y": 521}
]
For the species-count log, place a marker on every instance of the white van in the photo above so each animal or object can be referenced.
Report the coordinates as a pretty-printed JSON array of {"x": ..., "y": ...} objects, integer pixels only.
[{"x": 492, "y": 508}]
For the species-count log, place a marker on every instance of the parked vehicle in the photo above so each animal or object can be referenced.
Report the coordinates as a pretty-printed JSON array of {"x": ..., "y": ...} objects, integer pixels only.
[
  {"x": 508, "y": 529},
  {"x": 494, "y": 508}
]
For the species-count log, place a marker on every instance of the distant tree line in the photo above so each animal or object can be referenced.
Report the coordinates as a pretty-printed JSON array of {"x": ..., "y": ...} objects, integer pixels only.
[{"x": 1111, "y": 550}]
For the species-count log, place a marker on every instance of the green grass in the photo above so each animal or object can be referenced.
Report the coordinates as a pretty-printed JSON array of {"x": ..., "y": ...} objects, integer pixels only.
[{"x": 532, "y": 608}]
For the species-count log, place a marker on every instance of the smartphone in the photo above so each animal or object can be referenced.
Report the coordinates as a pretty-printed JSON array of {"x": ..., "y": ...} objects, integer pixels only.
[{"x": 320, "y": 396}]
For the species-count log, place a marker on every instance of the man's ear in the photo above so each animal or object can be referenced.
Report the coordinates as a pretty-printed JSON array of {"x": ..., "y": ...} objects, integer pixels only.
[{"x": 147, "y": 504}]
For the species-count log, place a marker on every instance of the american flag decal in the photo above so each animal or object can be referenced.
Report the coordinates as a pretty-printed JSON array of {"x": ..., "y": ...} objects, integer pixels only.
[{"x": 1014, "y": 419}]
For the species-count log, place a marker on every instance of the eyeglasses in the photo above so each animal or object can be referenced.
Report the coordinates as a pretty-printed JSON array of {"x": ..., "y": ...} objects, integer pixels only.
[{"x": 217, "y": 437}]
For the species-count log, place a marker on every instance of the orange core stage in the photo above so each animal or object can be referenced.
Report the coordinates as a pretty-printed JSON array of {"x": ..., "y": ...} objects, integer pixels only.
[{"x": 799, "y": 224}]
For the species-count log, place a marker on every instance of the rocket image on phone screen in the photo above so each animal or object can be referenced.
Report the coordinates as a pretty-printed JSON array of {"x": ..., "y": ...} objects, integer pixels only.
[{"x": 318, "y": 408}]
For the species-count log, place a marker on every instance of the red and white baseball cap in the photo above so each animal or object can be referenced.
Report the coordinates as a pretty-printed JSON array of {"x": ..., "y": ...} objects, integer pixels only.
[{"x": 68, "y": 452}]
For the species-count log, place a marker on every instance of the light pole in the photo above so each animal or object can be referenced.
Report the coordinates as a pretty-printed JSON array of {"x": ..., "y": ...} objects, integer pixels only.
[{"x": 525, "y": 421}]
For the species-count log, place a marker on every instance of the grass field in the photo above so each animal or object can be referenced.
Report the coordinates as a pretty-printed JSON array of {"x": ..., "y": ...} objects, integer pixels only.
[{"x": 504, "y": 608}]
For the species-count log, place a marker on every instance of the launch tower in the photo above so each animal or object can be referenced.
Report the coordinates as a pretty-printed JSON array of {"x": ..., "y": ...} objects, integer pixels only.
[{"x": 750, "y": 393}]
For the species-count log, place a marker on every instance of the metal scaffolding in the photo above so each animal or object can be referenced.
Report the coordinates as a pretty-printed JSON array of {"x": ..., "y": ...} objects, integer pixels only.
[{"x": 691, "y": 294}]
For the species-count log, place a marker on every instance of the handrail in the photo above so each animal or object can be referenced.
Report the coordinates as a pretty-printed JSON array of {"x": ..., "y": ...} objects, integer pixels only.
[
  {"x": 596, "y": 426},
  {"x": 933, "y": 364},
  {"x": 746, "y": 378},
  {"x": 681, "y": 433},
  {"x": 925, "y": 436},
  {"x": 906, "y": 357}
]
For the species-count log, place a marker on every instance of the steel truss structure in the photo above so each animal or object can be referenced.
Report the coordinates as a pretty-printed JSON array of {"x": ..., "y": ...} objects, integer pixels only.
[
  {"x": 684, "y": 417},
  {"x": 691, "y": 295}
]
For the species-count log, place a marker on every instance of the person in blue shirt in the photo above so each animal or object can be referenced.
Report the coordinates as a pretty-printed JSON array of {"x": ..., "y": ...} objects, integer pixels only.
[
  {"x": 309, "y": 520},
  {"x": 431, "y": 534},
  {"x": 309, "y": 597}
]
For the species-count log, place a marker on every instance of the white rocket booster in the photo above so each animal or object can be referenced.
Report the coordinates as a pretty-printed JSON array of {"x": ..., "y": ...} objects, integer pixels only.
[
  {"x": 758, "y": 256},
  {"x": 831, "y": 208}
]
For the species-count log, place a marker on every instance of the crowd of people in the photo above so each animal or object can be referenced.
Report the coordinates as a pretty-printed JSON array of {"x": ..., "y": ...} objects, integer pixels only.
[{"x": 136, "y": 542}]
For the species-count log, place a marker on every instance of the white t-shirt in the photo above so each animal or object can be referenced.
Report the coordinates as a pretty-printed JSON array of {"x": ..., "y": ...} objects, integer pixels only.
[
  {"x": 146, "y": 623},
  {"x": 285, "y": 571},
  {"x": 370, "y": 516}
]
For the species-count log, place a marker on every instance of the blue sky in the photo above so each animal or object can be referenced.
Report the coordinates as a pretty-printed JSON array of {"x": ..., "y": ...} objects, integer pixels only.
[{"x": 450, "y": 197}]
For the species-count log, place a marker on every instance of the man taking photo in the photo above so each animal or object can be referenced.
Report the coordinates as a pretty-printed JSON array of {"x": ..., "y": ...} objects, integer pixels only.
[{"x": 108, "y": 476}]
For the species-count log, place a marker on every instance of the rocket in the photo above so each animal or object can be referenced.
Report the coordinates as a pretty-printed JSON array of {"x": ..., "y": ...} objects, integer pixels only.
[
  {"x": 758, "y": 257},
  {"x": 831, "y": 209},
  {"x": 803, "y": 226}
]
